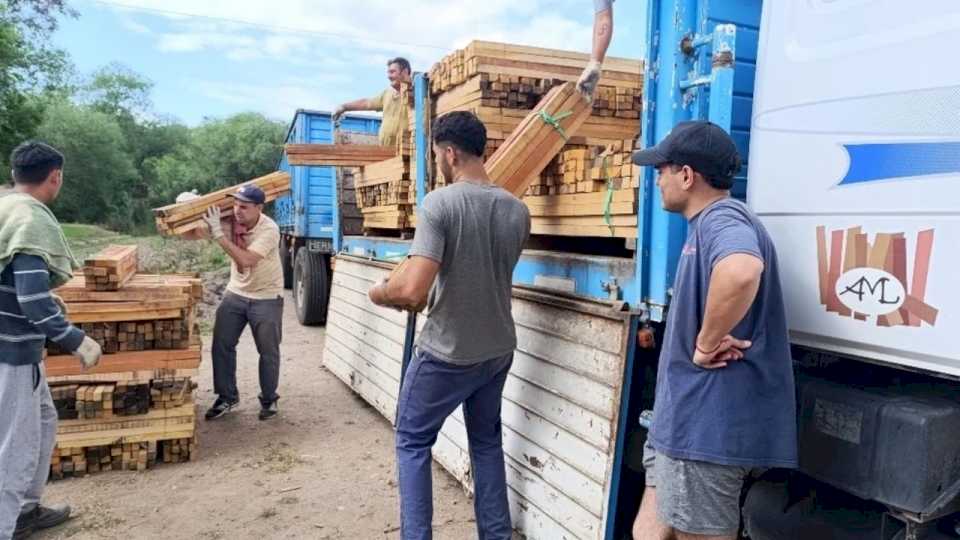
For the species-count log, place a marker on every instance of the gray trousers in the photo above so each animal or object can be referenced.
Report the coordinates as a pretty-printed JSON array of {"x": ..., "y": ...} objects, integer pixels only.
[
  {"x": 28, "y": 430},
  {"x": 265, "y": 318}
]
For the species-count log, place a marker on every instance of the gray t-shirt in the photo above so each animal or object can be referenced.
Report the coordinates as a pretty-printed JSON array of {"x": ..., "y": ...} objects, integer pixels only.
[
  {"x": 601, "y": 5},
  {"x": 476, "y": 232},
  {"x": 743, "y": 414}
]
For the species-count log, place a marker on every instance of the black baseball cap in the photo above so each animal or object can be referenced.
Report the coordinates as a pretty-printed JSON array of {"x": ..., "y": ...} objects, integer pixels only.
[
  {"x": 250, "y": 194},
  {"x": 703, "y": 146}
]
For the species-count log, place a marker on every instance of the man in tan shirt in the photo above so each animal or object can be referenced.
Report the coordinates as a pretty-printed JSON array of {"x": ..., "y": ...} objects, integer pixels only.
[
  {"x": 389, "y": 101},
  {"x": 254, "y": 296}
]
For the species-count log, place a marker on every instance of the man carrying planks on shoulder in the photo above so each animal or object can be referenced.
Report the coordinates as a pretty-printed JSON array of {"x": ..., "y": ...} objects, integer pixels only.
[
  {"x": 468, "y": 241},
  {"x": 34, "y": 258},
  {"x": 389, "y": 101},
  {"x": 254, "y": 296},
  {"x": 602, "y": 34}
]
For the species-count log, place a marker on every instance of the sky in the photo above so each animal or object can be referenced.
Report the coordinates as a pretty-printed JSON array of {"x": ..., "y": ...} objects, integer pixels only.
[{"x": 214, "y": 58}]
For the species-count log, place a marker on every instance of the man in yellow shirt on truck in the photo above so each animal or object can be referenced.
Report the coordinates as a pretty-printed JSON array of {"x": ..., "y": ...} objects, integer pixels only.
[{"x": 388, "y": 101}]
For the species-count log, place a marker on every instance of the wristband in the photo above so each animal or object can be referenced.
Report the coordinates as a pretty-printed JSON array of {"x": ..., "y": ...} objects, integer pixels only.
[{"x": 715, "y": 349}]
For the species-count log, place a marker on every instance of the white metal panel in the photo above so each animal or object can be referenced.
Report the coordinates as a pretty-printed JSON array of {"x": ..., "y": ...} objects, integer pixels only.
[
  {"x": 833, "y": 77},
  {"x": 560, "y": 407}
]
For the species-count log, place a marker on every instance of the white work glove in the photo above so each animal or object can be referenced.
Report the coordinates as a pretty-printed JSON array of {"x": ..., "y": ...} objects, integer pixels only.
[
  {"x": 212, "y": 218},
  {"x": 338, "y": 113},
  {"x": 587, "y": 84},
  {"x": 89, "y": 353}
]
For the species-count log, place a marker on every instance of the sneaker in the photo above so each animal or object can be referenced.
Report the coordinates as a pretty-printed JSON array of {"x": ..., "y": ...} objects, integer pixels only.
[
  {"x": 41, "y": 517},
  {"x": 220, "y": 408},
  {"x": 269, "y": 410}
]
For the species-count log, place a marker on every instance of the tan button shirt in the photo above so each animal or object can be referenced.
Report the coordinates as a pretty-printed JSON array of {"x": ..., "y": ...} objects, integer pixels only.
[
  {"x": 265, "y": 280},
  {"x": 394, "y": 115}
]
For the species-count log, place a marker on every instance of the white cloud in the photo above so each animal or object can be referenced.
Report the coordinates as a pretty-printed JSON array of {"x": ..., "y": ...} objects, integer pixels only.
[
  {"x": 135, "y": 27},
  {"x": 423, "y": 30}
]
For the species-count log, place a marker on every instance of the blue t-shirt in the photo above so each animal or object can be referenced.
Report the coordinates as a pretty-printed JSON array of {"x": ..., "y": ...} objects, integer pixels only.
[{"x": 743, "y": 414}]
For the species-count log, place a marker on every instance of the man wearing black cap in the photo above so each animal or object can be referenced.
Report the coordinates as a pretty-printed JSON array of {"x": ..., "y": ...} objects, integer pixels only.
[
  {"x": 725, "y": 405},
  {"x": 254, "y": 296}
]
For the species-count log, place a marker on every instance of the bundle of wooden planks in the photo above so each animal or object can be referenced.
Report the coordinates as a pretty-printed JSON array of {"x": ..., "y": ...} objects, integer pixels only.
[
  {"x": 535, "y": 142},
  {"x": 111, "y": 268},
  {"x": 185, "y": 217},
  {"x": 386, "y": 194},
  {"x": 337, "y": 155}
]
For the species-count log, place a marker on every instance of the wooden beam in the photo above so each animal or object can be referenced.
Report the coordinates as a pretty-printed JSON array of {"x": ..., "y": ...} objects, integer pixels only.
[{"x": 339, "y": 155}]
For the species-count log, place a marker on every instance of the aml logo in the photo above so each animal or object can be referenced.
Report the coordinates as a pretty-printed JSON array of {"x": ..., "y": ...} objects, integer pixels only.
[{"x": 865, "y": 280}]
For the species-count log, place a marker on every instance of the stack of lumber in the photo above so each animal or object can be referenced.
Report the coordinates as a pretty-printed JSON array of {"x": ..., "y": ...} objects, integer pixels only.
[
  {"x": 586, "y": 191},
  {"x": 337, "y": 155},
  {"x": 116, "y": 415},
  {"x": 149, "y": 312},
  {"x": 186, "y": 217},
  {"x": 111, "y": 268},
  {"x": 386, "y": 193},
  {"x": 499, "y": 82},
  {"x": 586, "y": 169}
]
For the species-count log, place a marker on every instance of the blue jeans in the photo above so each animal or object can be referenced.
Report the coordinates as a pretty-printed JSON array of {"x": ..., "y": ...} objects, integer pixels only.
[{"x": 431, "y": 391}]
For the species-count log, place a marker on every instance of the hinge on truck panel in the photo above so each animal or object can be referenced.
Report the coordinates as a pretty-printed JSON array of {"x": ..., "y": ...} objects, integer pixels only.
[{"x": 612, "y": 288}]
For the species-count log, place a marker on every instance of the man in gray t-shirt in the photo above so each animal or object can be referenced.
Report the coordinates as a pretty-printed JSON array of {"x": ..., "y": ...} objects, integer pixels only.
[{"x": 468, "y": 241}]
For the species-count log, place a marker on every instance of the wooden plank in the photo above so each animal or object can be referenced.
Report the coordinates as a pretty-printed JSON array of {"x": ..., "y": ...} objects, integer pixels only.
[
  {"x": 68, "y": 365},
  {"x": 339, "y": 155},
  {"x": 921, "y": 267}
]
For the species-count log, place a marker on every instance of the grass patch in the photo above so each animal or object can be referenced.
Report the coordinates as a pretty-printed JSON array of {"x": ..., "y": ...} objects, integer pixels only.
[{"x": 158, "y": 255}]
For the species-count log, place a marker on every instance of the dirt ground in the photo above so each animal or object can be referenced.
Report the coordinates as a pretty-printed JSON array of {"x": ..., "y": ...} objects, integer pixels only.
[{"x": 323, "y": 469}]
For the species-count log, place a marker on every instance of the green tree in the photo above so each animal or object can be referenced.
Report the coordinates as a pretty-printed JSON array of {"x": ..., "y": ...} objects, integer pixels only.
[
  {"x": 30, "y": 71},
  {"x": 219, "y": 153},
  {"x": 98, "y": 172}
]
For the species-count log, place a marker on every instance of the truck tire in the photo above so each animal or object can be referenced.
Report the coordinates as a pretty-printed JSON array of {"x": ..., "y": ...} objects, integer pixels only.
[
  {"x": 311, "y": 287},
  {"x": 286, "y": 262}
]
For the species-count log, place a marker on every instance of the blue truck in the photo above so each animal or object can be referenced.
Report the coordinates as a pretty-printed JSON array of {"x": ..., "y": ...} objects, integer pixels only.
[
  {"x": 846, "y": 121},
  {"x": 316, "y": 214}
]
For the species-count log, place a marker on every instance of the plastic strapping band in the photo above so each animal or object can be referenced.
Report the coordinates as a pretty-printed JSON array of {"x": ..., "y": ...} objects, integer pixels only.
[{"x": 554, "y": 121}]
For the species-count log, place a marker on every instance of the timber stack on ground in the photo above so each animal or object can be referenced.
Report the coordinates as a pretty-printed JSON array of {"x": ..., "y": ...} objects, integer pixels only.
[
  {"x": 182, "y": 218},
  {"x": 136, "y": 407},
  {"x": 502, "y": 84}
]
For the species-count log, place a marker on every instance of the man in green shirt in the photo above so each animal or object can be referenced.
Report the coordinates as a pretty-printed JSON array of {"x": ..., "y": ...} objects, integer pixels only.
[{"x": 388, "y": 101}]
